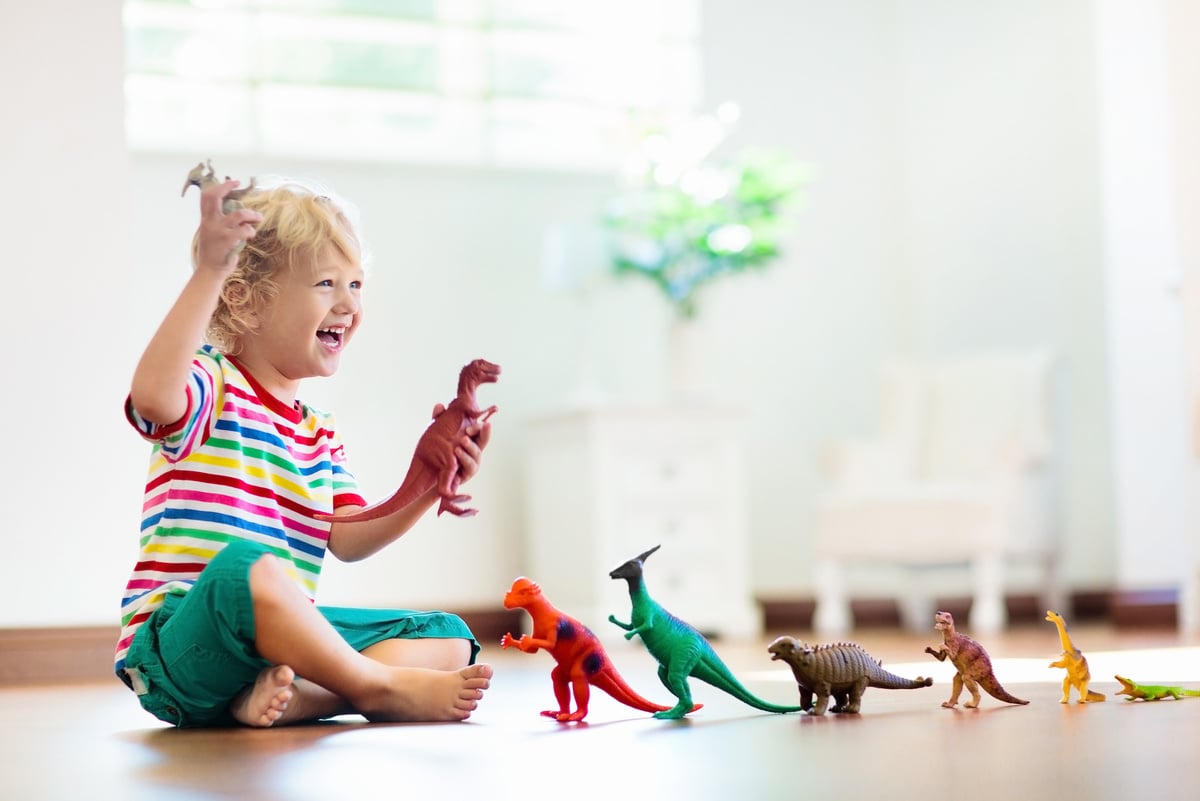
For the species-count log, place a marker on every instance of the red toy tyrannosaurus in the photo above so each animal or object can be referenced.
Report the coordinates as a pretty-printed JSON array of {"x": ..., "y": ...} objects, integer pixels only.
[
  {"x": 582, "y": 660},
  {"x": 434, "y": 462}
]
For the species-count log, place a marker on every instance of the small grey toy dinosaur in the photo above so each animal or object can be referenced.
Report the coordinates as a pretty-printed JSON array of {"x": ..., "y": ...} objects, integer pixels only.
[
  {"x": 681, "y": 651},
  {"x": 842, "y": 670},
  {"x": 203, "y": 176}
]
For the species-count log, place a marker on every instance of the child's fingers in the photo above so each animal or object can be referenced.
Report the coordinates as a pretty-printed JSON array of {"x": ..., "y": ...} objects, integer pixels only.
[
  {"x": 245, "y": 221},
  {"x": 480, "y": 434},
  {"x": 213, "y": 197}
]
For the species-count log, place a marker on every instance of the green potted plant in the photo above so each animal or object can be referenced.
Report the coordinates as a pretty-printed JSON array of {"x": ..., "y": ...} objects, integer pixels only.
[{"x": 688, "y": 218}]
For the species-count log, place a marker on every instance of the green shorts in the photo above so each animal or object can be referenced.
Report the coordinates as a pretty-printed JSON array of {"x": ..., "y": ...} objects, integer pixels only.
[{"x": 196, "y": 652}]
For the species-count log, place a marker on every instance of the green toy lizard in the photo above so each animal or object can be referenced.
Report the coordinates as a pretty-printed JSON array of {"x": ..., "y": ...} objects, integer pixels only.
[
  {"x": 681, "y": 651},
  {"x": 1151, "y": 692}
]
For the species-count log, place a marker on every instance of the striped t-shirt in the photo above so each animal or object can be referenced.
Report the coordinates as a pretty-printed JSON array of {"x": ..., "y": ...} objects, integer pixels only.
[{"x": 240, "y": 465}]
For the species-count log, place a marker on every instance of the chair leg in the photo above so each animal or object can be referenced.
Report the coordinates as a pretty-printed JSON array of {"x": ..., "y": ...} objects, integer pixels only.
[
  {"x": 1054, "y": 596},
  {"x": 1189, "y": 604},
  {"x": 832, "y": 616},
  {"x": 988, "y": 613},
  {"x": 916, "y": 610}
]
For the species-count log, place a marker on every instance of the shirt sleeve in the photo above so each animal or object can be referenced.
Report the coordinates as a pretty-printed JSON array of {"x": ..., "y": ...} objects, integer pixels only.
[
  {"x": 179, "y": 438},
  {"x": 345, "y": 485}
]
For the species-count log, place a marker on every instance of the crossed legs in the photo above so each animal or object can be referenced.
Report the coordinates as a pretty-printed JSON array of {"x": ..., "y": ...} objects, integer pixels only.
[{"x": 393, "y": 680}]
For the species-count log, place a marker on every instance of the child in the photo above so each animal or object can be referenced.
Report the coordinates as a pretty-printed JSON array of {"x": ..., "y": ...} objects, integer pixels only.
[{"x": 218, "y": 620}]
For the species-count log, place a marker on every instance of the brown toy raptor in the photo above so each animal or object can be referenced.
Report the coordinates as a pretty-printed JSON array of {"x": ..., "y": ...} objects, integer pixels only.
[
  {"x": 973, "y": 664},
  {"x": 434, "y": 463}
]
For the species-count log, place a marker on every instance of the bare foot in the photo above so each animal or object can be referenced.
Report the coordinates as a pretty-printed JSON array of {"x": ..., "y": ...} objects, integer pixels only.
[
  {"x": 264, "y": 703},
  {"x": 421, "y": 694}
]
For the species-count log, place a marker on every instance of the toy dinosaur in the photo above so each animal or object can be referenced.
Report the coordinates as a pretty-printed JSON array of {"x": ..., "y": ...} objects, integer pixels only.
[
  {"x": 1075, "y": 663},
  {"x": 202, "y": 175},
  {"x": 1151, "y": 692},
  {"x": 581, "y": 660},
  {"x": 681, "y": 651},
  {"x": 973, "y": 664},
  {"x": 842, "y": 670},
  {"x": 434, "y": 463}
]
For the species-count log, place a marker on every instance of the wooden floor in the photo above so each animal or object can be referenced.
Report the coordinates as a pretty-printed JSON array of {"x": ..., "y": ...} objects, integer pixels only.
[{"x": 92, "y": 741}]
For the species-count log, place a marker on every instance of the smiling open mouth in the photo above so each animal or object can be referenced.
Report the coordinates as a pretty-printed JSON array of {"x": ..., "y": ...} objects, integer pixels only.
[{"x": 331, "y": 337}]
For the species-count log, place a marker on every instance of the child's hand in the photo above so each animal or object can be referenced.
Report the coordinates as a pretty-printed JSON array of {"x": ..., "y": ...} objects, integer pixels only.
[
  {"x": 221, "y": 236},
  {"x": 470, "y": 449}
]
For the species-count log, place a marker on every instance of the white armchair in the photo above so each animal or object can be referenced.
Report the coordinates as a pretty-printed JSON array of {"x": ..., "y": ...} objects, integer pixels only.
[{"x": 961, "y": 474}]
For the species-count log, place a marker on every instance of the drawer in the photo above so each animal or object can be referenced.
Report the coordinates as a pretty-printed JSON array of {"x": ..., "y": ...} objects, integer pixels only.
[
  {"x": 685, "y": 535},
  {"x": 670, "y": 475}
]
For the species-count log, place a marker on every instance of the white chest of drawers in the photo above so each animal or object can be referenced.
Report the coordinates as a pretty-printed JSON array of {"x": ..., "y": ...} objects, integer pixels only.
[{"x": 605, "y": 485}]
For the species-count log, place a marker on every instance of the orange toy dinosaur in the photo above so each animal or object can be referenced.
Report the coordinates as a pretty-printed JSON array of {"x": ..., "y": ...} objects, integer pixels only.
[
  {"x": 582, "y": 660},
  {"x": 434, "y": 462}
]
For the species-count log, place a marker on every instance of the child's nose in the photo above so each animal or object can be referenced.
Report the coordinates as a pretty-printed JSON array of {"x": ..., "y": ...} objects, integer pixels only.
[{"x": 348, "y": 302}]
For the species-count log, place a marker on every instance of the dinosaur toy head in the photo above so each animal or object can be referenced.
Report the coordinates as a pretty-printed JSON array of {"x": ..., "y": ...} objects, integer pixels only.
[
  {"x": 1127, "y": 687},
  {"x": 523, "y": 590},
  {"x": 943, "y": 621},
  {"x": 633, "y": 568},
  {"x": 787, "y": 649},
  {"x": 1054, "y": 617},
  {"x": 480, "y": 371}
]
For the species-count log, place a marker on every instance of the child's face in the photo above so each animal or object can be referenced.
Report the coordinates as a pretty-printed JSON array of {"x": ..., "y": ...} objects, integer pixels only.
[{"x": 313, "y": 318}]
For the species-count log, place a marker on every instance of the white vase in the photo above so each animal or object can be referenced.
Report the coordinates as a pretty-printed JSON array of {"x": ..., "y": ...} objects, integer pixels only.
[{"x": 685, "y": 356}]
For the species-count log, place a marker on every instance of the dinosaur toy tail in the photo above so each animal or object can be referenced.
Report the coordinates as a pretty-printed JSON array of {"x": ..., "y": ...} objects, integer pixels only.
[
  {"x": 999, "y": 693},
  {"x": 403, "y": 496},
  {"x": 719, "y": 676},
  {"x": 620, "y": 691}
]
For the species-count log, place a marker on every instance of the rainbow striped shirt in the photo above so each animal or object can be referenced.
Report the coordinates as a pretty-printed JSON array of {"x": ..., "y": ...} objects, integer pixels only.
[{"x": 239, "y": 465}]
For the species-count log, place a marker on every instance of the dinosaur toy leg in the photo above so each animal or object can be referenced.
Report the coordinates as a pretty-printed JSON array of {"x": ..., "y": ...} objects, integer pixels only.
[
  {"x": 955, "y": 691},
  {"x": 822, "y": 690},
  {"x": 583, "y": 694},
  {"x": 675, "y": 679},
  {"x": 562, "y": 694},
  {"x": 853, "y": 703},
  {"x": 973, "y": 688}
]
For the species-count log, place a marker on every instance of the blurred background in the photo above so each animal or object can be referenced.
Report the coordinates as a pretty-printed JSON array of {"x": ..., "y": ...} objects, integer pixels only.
[{"x": 869, "y": 183}]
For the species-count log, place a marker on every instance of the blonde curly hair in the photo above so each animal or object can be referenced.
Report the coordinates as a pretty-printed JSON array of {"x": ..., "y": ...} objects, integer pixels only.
[{"x": 299, "y": 222}]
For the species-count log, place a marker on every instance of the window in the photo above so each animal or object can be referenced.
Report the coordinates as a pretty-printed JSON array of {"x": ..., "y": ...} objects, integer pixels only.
[{"x": 551, "y": 83}]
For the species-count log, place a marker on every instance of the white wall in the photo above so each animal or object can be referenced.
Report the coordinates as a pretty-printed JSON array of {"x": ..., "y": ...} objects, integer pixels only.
[
  {"x": 1001, "y": 222},
  {"x": 70, "y": 522},
  {"x": 1145, "y": 325},
  {"x": 954, "y": 205}
]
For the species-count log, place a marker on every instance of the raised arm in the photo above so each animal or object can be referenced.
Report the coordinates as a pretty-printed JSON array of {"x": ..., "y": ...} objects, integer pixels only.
[{"x": 159, "y": 387}]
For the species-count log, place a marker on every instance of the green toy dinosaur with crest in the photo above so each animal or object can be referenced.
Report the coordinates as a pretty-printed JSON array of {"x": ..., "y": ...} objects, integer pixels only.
[{"x": 682, "y": 652}]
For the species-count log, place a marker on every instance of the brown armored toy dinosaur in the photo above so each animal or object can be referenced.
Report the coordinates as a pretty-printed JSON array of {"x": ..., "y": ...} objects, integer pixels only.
[
  {"x": 843, "y": 670},
  {"x": 972, "y": 663},
  {"x": 434, "y": 463}
]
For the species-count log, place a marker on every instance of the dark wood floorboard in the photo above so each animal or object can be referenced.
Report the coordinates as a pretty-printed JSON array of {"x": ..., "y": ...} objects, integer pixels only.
[{"x": 91, "y": 741}]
